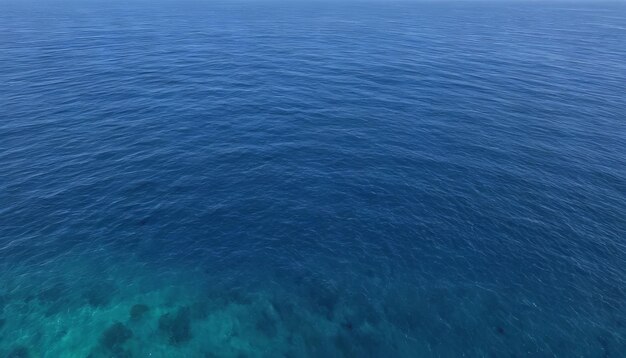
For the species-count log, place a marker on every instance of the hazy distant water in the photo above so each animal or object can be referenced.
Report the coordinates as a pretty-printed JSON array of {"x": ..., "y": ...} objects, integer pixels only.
[{"x": 271, "y": 180}]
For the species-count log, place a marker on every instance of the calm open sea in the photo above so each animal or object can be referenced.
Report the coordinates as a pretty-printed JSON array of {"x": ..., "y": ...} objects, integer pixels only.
[{"x": 275, "y": 179}]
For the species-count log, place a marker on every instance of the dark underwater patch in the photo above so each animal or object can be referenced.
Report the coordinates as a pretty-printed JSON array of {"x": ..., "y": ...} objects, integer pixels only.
[
  {"x": 176, "y": 326},
  {"x": 267, "y": 324},
  {"x": 52, "y": 293},
  {"x": 346, "y": 345},
  {"x": 55, "y": 308},
  {"x": 138, "y": 311},
  {"x": 287, "y": 312},
  {"x": 322, "y": 295},
  {"x": 100, "y": 352},
  {"x": 347, "y": 325},
  {"x": 239, "y": 296},
  {"x": 115, "y": 336},
  {"x": 19, "y": 352},
  {"x": 55, "y": 297},
  {"x": 357, "y": 343},
  {"x": 100, "y": 294},
  {"x": 199, "y": 310}
]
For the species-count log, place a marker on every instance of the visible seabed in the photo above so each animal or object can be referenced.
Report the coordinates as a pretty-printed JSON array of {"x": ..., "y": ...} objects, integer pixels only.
[{"x": 136, "y": 310}]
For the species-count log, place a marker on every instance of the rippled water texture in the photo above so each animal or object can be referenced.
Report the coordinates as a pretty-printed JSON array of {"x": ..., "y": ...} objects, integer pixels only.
[{"x": 383, "y": 179}]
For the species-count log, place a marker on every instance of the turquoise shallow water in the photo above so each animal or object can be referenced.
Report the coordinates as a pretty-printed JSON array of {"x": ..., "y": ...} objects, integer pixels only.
[{"x": 364, "y": 179}]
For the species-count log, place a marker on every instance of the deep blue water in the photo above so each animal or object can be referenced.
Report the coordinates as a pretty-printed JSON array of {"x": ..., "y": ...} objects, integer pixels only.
[{"x": 257, "y": 179}]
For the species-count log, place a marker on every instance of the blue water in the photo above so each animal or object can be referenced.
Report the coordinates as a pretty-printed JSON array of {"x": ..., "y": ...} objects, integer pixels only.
[{"x": 266, "y": 179}]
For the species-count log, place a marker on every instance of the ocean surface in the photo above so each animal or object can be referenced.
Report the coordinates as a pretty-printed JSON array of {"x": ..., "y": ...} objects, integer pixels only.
[{"x": 312, "y": 179}]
